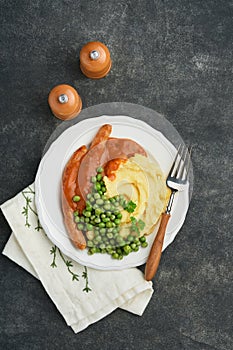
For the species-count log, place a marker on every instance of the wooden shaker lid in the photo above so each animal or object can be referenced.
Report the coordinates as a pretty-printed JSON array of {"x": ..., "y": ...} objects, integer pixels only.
[
  {"x": 95, "y": 60},
  {"x": 64, "y": 102}
]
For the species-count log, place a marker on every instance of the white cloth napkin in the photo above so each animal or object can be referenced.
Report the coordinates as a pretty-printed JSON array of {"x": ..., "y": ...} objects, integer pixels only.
[{"x": 82, "y": 295}]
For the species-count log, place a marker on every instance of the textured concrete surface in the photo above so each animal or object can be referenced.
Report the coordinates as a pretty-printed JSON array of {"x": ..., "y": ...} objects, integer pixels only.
[{"x": 176, "y": 58}]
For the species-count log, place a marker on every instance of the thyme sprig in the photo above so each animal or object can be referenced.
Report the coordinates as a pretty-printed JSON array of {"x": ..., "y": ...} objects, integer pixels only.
[
  {"x": 85, "y": 276},
  {"x": 53, "y": 251},
  {"x": 27, "y": 208},
  {"x": 69, "y": 264}
]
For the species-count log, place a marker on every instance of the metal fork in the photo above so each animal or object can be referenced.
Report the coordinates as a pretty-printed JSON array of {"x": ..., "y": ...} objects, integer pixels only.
[{"x": 177, "y": 180}]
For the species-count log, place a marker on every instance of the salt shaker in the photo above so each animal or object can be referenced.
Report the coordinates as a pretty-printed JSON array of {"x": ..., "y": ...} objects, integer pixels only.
[
  {"x": 95, "y": 60},
  {"x": 64, "y": 102}
]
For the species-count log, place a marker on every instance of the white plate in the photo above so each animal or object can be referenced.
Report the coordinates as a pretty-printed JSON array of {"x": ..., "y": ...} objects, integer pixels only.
[{"x": 48, "y": 186}]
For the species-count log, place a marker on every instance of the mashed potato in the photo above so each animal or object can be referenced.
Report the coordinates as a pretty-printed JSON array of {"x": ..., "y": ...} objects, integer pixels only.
[{"x": 140, "y": 180}]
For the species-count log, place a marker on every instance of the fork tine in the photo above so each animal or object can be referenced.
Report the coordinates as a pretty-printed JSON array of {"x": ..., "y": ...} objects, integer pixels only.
[
  {"x": 174, "y": 165},
  {"x": 189, "y": 161},
  {"x": 177, "y": 161},
  {"x": 186, "y": 164}
]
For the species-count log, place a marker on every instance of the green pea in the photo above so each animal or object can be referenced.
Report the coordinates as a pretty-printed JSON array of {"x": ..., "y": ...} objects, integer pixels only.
[
  {"x": 88, "y": 208},
  {"x": 119, "y": 216},
  {"x": 108, "y": 213},
  {"x": 103, "y": 189},
  {"x": 103, "y": 251},
  {"x": 118, "y": 250},
  {"x": 117, "y": 198},
  {"x": 144, "y": 244},
  {"x": 99, "y": 177},
  {"x": 102, "y": 230},
  {"x": 76, "y": 199},
  {"x": 107, "y": 207},
  {"x": 102, "y": 246},
  {"x": 130, "y": 238},
  {"x": 112, "y": 217},
  {"x": 108, "y": 224},
  {"x": 92, "y": 217},
  {"x": 102, "y": 183},
  {"x": 98, "y": 211},
  {"x": 87, "y": 214},
  {"x": 125, "y": 253},
  {"x": 120, "y": 257},
  {"x": 77, "y": 219},
  {"x": 112, "y": 199},
  {"x": 99, "y": 201},
  {"x": 90, "y": 244},
  {"x": 117, "y": 221},
  {"x": 93, "y": 250},
  {"x": 127, "y": 248},
  {"x": 109, "y": 235},
  {"x": 89, "y": 196},
  {"x": 104, "y": 197},
  {"x": 80, "y": 227},
  {"x": 99, "y": 169},
  {"x": 103, "y": 216},
  {"x": 89, "y": 227},
  {"x": 142, "y": 239},
  {"x": 97, "y": 186},
  {"x": 76, "y": 213},
  {"x": 97, "y": 220},
  {"x": 82, "y": 219},
  {"x": 101, "y": 224},
  {"x": 96, "y": 195},
  {"x": 87, "y": 220},
  {"x": 93, "y": 179},
  {"x": 100, "y": 193},
  {"x": 92, "y": 199},
  {"x": 136, "y": 249},
  {"x": 115, "y": 255},
  {"x": 133, "y": 246},
  {"x": 106, "y": 219}
]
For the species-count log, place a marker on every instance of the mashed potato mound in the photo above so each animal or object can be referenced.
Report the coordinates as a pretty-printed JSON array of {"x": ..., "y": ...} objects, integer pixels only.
[{"x": 142, "y": 181}]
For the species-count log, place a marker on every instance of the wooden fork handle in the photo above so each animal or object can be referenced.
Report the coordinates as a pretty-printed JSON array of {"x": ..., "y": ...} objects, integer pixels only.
[{"x": 153, "y": 260}]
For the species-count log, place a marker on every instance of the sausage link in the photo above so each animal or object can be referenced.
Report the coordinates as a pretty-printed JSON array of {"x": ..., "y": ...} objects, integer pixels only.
[
  {"x": 102, "y": 135},
  {"x": 68, "y": 192}
]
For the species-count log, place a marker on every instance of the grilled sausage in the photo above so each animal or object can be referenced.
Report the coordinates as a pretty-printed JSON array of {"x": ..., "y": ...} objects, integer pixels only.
[
  {"x": 102, "y": 135},
  {"x": 69, "y": 190}
]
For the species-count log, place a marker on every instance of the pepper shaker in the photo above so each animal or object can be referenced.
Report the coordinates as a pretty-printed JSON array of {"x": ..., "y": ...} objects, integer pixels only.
[
  {"x": 95, "y": 60},
  {"x": 64, "y": 102}
]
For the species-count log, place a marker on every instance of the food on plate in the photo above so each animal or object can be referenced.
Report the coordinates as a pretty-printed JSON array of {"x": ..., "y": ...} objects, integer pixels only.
[
  {"x": 112, "y": 195},
  {"x": 140, "y": 180},
  {"x": 69, "y": 204}
]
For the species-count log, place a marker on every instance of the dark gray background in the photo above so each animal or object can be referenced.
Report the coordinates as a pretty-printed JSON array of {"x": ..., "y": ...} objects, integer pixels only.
[{"x": 176, "y": 58}]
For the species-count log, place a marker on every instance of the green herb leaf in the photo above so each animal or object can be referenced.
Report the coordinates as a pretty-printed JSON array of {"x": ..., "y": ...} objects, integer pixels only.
[
  {"x": 129, "y": 207},
  {"x": 141, "y": 224},
  {"x": 136, "y": 226}
]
